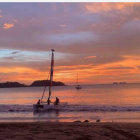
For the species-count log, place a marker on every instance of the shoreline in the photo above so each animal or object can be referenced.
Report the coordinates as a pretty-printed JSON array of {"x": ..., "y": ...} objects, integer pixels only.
[{"x": 69, "y": 130}]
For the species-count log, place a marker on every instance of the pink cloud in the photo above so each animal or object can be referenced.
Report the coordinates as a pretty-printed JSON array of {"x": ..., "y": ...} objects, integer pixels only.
[
  {"x": 0, "y": 13},
  {"x": 63, "y": 25}
]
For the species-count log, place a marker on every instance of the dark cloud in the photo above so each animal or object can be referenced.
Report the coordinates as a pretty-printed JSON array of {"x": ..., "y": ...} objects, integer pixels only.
[
  {"x": 8, "y": 58},
  {"x": 15, "y": 52}
]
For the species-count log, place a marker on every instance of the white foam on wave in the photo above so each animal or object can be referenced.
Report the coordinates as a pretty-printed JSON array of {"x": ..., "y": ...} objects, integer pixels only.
[{"x": 73, "y": 107}]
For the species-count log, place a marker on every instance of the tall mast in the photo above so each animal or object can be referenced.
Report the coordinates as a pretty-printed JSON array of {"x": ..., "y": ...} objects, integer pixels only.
[
  {"x": 51, "y": 73},
  {"x": 77, "y": 78}
]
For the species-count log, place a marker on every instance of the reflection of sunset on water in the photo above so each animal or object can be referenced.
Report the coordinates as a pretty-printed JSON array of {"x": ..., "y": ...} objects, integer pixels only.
[
  {"x": 108, "y": 102},
  {"x": 96, "y": 94}
]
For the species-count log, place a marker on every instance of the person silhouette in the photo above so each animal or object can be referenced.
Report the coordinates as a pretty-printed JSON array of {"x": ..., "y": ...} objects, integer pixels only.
[
  {"x": 57, "y": 101},
  {"x": 38, "y": 102},
  {"x": 48, "y": 101}
]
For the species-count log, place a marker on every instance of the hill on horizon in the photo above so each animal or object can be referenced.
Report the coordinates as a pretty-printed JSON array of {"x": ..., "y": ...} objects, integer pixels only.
[{"x": 37, "y": 83}]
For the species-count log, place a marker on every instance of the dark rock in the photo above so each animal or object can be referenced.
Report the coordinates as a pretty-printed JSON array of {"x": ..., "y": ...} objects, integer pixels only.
[
  {"x": 86, "y": 120},
  {"x": 98, "y": 120},
  {"x": 77, "y": 121}
]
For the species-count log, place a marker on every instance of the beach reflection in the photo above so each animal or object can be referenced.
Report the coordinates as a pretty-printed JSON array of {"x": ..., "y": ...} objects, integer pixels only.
[{"x": 48, "y": 116}]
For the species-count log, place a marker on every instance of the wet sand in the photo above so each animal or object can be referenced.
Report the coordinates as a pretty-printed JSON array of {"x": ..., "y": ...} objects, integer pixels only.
[{"x": 69, "y": 131}]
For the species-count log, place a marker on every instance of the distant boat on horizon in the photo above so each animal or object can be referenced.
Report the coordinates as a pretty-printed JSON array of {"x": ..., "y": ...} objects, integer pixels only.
[{"x": 78, "y": 86}]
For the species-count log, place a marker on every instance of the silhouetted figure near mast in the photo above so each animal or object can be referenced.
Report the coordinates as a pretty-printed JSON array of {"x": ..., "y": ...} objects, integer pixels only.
[
  {"x": 56, "y": 101},
  {"x": 38, "y": 102},
  {"x": 48, "y": 101}
]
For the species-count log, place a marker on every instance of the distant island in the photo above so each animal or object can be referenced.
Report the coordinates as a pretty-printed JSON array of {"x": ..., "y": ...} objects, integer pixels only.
[
  {"x": 11, "y": 84},
  {"x": 40, "y": 83},
  {"x": 119, "y": 83},
  {"x": 37, "y": 83}
]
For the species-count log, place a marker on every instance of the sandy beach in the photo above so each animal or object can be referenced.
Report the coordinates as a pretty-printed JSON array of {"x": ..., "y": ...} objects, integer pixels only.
[{"x": 69, "y": 131}]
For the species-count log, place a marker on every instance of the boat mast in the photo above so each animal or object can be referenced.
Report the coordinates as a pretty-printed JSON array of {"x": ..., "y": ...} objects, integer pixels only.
[
  {"x": 51, "y": 73},
  {"x": 77, "y": 78}
]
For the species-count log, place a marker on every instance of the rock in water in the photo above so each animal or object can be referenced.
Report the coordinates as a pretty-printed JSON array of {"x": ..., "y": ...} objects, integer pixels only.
[
  {"x": 86, "y": 120},
  {"x": 98, "y": 120}
]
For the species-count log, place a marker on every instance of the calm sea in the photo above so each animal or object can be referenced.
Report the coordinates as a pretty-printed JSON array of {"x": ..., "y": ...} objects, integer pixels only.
[{"x": 109, "y": 103}]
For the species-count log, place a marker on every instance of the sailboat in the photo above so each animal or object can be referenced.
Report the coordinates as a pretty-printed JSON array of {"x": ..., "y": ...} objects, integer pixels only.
[
  {"x": 78, "y": 86},
  {"x": 48, "y": 105}
]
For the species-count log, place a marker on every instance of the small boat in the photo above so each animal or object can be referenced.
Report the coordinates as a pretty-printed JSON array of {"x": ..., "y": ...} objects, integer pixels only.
[
  {"x": 48, "y": 105},
  {"x": 78, "y": 86}
]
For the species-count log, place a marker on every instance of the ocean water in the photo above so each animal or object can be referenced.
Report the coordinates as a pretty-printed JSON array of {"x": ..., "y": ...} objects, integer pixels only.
[{"x": 109, "y": 103}]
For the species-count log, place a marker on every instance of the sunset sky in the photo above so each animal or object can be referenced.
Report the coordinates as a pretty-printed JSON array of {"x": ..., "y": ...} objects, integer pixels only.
[{"x": 99, "y": 41}]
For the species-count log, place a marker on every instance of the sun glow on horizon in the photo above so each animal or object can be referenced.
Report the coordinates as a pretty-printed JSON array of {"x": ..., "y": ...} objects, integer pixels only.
[{"x": 99, "y": 41}]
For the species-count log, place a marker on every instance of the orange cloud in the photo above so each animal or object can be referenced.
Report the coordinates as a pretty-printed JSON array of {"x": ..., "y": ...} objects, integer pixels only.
[
  {"x": 125, "y": 70},
  {"x": 15, "y": 69},
  {"x": 106, "y": 7},
  {"x": 20, "y": 74},
  {"x": 7, "y": 25},
  {"x": 90, "y": 57}
]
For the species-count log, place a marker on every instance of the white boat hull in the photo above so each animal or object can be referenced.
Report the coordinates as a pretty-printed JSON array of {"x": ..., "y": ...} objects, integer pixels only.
[{"x": 45, "y": 107}]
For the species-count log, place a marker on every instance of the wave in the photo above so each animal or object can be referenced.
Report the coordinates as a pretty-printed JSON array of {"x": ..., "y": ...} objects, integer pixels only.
[
  {"x": 73, "y": 107},
  {"x": 95, "y": 108}
]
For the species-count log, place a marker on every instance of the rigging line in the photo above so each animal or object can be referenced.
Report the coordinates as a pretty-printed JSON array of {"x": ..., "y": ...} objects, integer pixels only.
[{"x": 44, "y": 88}]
